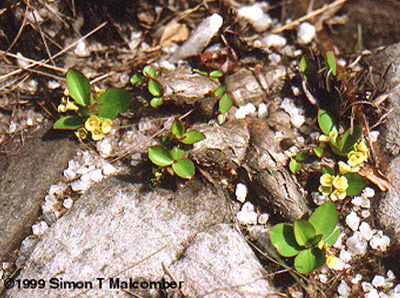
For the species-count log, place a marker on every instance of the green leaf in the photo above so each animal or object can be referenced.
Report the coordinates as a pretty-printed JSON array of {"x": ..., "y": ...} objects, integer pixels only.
[
  {"x": 313, "y": 241},
  {"x": 349, "y": 139},
  {"x": 331, "y": 62},
  {"x": 324, "y": 219},
  {"x": 325, "y": 122},
  {"x": 69, "y": 123},
  {"x": 309, "y": 260},
  {"x": 191, "y": 137},
  {"x": 178, "y": 128},
  {"x": 184, "y": 168},
  {"x": 303, "y": 231},
  {"x": 325, "y": 169},
  {"x": 303, "y": 64},
  {"x": 114, "y": 101},
  {"x": 149, "y": 72},
  {"x": 356, "y": 184},
  {"x": 219, "y": 91},
  {"x": 160, "y": 156},
  {"x": 155, "y": 88},
  {"x": 283, "y": 239},
  {"x": 332, "y": 237},
  {"x": 318, "y": 151},
  {"x": 302, "y": 155},
  {"x": 156, "y": 101},
  {"x": 136, "y": 79},
  {"x": 202, "y": 72},
  {"x": 216, "y": 74},
  {"x": 78, "y": 87},
  {"x": 225, "y": 103},
  {"x": 294, "y": 166},
  {"x": 177, "y": 153},
  {"x": 221, "y": 119}
]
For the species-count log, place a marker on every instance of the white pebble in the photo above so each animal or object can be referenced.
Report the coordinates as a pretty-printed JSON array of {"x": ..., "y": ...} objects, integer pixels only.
[
  {"x": 256, "y": 17},
  {"x": 96, "y": 175},
  {"x": 356, "y": 279},
  {"x": 40, "y": 228},
  {"x": 273, "y": 41},
  {"x": 243, "y": 111},
  {"x": 68, "y": 203},
  {"x": 262, "y": 110},
  {"x": 366, "y": 286},
  {"x": 366, "y": 231},
  {"x": 365, "y": 203},
  {"x": 344, "y": 289},
  {"x": 356, "y": 201},
  {"x": 373, "y": 136},
  {"x": 53, "y": 84},
  {"x": 274, "y": 58},
  {"x": 323, "y": 278},
  {"x": 357, "y": 244},
  {"x": 380, "y": 242},
  {"x": 263, "y": 218},
  {"x": 390, "y": 275},
  {"x": 338, "y": 244},
  {"x": 378, "y": 281},
  {"x": 297, "y": 294},
  {"x": 81, "y": 50},
  {"x": 247, "y": 218},
  {"x": 368, "y": 192},
  {"x": 247, "y": 207},
  {"x": 79, "y": 185},
  {"x": 353, "y": 221},
  {"x": 345, "y": 255},
  {"x": 241, "y": 192},
  {"x": 306, "y": 33},
  {"x": 296, "y": 91},
  {"x": 365, "y": 213},
  {"x": 108, "y": 169},
  {"x": 372, "y": 294}
]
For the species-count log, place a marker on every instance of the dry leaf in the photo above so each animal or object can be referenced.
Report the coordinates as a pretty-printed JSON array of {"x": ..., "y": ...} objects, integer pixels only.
[
  {"x": 174, "y": 32},
  {"x": 375, "y": 176}
]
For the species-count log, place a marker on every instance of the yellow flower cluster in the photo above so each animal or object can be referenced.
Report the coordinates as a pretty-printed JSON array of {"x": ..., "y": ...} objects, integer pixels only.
[
  {"x": 332, "y": 136},
  {"x": 97, "y": 126},
  {"x": 334, "y": 187},
  {"x": 67, "y": 105},
  {"x": 355, "y": 159}
]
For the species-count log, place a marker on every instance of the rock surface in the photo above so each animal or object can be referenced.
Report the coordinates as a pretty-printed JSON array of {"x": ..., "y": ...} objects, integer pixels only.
[
  {"x": 121, "y": 229},
  {"x": 24, "y": 165}
]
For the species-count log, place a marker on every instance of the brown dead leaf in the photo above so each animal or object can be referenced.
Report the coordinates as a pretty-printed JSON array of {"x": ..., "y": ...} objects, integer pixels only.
[
  {"x": 375, "y": 176},
  {"x": 174, "y": 32}
]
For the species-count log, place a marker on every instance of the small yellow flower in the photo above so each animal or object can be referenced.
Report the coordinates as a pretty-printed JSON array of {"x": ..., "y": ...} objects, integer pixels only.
[
  {"x": 362, "y": 147},
  {"x": 324, "y": 138},
  {"x": 106, "y": 126},
  {"x": 81, "y": 133},
  {"x": 340, "y": 183},
  {"x": 326, "y": 191},
  {"x": 345, "y": 168},
  {"x": 66, "y": 105},
  {"x": 93, "y": 123},
  {"x": 338, "y": 195},
  {"x": 326, "y": 180},
  {"x": 332, "y": 136},
  {"x": 97, "y": 134},
  {"x": 356, "y": 158}
]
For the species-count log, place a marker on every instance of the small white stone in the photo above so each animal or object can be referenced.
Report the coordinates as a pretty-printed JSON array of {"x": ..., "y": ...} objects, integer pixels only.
[
  {"x": 29, "y": 122},
  {"x": 274, "y": 58},
  {"x": 368, "y": 192},
  {"x": 296, "y": 91},
  {"x": 256, "y": 17},
  {"x": 373, "y": 136},
  {"x": 53, "y": 84},
  {"x": 79, "y": 185},
  {"x": 356, "y": 201},
  {"x": 345, "y": 255},
  {"x": 378, "y": 281},
  {"x": 262, "y": 110},
  {"x": 241, "y": 192},
  {"x": 372, "y": 294},
  {"x": 338, "y": 243},
  {"x": 365, "y": 213},
  {"x": 396, "y": 289},
  {"x": 108, "y": 169},
  {"x": 357, "y": 244},
  {"x": 390, "y": 275},
  {"x": 297, "y": 294},
  {"x": 40, "y": 228},
  {"x": 247, "y": 207},
  {"x": 323, "y": 278},
  {"x": 380, "y": 242},
  {"x": 365, "y": 203},
  {"x": 263, "y": 218},
  {"x": 366, "y": 231},
  {"x": 68, "y": 203},
  {"x": 96, "y": 175},
  {"x": 343, "y": 289},
  {"x": 243, "y": 111},
  {"x": 367, "y": 287},
  {"x": 12, "y": 128},
  {"x": 81, "y": 50},
  {"x": 356, "y": 279},
  {"x": 353, "y": 221},
  {"x": 247, "y": 218},
  {"x": 273, "y": 41},
  {"x": 305, "y": 33}
]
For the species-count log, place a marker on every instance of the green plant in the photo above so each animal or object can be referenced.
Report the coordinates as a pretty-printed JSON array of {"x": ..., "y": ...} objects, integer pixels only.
[
  {"x": 342, "y": 180},
  {"x": 174, "y": 161},
  {"x": 225, "y": 102},
  {"x": 95, "y": 110},
  {"x": 149, "y": 77},
  {"x": 307, "y": 240}
]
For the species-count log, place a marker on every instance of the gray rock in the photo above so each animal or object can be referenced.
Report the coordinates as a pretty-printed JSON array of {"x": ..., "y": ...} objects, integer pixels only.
[
  {"x": 27, "y": 171},
  {"x": 122, "y": 230},
  {"x": 219, "y": 263}
]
